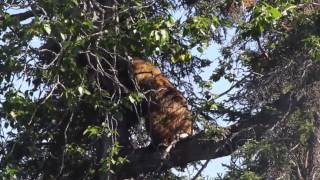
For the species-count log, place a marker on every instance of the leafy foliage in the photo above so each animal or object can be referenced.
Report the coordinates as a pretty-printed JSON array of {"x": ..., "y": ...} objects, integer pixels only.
[{"x": 65, "y": 85}]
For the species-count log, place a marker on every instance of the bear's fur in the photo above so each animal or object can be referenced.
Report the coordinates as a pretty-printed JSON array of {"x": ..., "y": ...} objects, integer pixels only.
[{"x": 167, "y": 116}]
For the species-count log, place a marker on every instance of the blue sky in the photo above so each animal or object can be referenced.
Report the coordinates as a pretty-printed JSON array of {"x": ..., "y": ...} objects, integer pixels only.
[
  {"x": 215, "y": 166},
  {"x": 212, "y": 52}
]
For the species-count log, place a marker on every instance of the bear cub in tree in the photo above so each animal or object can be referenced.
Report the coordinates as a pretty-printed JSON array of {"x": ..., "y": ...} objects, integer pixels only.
[{"x": 167, "y": 118}]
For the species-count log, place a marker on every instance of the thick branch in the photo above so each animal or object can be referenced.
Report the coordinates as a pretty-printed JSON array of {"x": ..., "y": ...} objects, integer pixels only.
[
  {"x": 22, "y": 16},
  {"x": 198, "y": 147}
]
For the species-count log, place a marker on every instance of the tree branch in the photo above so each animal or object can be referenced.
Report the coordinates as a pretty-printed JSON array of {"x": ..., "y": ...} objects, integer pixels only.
[
  {"x": 22, "y": 16},
  {"x": 198, "y": 147}
]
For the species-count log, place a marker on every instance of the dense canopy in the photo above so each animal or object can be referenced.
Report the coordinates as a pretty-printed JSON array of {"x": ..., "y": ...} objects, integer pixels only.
[{"x": 67, "y": 87}]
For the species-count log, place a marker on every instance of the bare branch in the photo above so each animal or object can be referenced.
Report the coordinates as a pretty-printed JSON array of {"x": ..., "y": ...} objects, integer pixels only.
[
  {"x": 25, "y": 15},
  {"x": 202, "y": 168}
]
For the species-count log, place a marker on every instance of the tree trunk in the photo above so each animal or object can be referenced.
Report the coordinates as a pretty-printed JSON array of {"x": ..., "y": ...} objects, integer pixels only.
[
  {"x": 313, "y": 105},
  {"x": 315, "y": 157}
]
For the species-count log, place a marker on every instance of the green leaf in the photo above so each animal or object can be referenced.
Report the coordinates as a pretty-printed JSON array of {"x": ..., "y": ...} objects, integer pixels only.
[
  {"x": 83, "y": 91},
  {"x": 213, "y": 107},
  {"x": 215, "y": 21},
  {"x": 13, "y": 114},
  {"x": 275, "y": 13},
  {"x": 260, "y": 28},
  {"x": 164, "y": 35},
  {"x": 131, "y": 99},
  {"x": 80, "y": 89},
  {"x": 47, "y": 28},
  {"x": 93, "y": 131},
  {"x": 75, "y": 2},
  {"x": 199, "y": 49},
  {"x": 63, "y": 36},
  {"x": 170, "y": 22}
]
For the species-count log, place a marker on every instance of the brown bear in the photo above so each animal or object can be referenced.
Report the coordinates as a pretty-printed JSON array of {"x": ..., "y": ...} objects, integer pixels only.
[{"x": 167, "y": 118}]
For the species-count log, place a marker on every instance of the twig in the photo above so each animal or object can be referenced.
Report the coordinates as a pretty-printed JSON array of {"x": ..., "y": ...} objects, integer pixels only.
[
  {"x": 231, "y": 88},
  {"x": 200, "y": 171},
  {"x": 65, "y": 142}
]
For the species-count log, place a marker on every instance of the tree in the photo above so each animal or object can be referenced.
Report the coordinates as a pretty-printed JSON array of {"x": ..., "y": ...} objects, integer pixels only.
[
  {"x": 63, "y": 120},
  {"x": 282, "y": 66}
]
